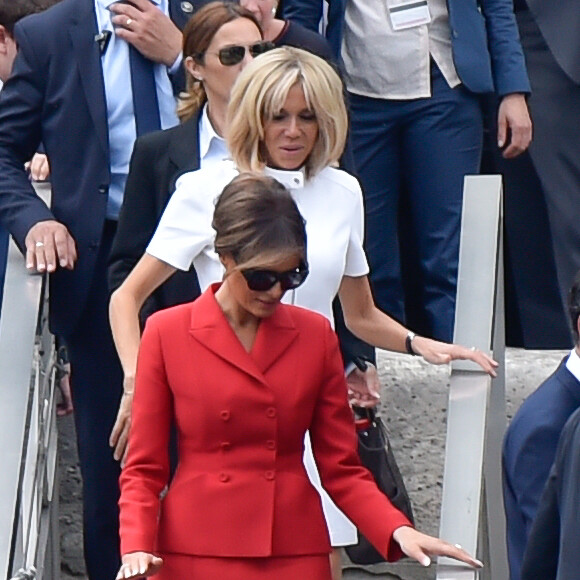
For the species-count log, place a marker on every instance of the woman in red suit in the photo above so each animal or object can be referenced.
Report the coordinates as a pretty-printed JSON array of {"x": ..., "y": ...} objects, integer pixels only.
[{"x": 244, "y": 377}]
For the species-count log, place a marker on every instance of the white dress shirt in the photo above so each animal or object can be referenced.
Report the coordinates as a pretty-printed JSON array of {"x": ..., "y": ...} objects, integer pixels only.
[
  {"x": 386, "y": 64},
  {"x": 212, "y": 147},
  {"x": 573, "y": 364}
]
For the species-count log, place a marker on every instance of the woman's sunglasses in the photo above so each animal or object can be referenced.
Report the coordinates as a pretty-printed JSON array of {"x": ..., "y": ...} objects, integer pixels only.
[
  {"x": 262, "y": 280},
  {"x": 232, "y": 55}
]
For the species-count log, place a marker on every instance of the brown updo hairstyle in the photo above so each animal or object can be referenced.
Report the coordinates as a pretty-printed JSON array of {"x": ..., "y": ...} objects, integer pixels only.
[
  {"x": 258, "y": 223},
  {"x": 197, "y": 36}
]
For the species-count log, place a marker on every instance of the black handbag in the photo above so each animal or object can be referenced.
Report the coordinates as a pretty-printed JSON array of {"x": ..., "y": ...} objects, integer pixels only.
[{"x": 377, "y": 456}]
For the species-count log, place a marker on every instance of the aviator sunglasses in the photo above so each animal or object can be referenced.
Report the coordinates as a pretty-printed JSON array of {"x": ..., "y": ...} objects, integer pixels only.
[
  {"x": 232, "y": 55},
  {"x": 262, "y": 280}
]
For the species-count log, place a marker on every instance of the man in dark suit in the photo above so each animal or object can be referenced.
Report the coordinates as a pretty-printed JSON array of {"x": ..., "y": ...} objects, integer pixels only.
[
  {"x": 414, "y": 72},
  {"x": 552, "y": 551},
  {"x": 550, "y": 34},
  {"x": 531, "y": 440},
  {"x": 72, "y": 88}
]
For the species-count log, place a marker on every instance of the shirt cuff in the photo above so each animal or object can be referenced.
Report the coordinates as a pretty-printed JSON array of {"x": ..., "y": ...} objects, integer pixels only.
[{"x": 175, "y": 66}]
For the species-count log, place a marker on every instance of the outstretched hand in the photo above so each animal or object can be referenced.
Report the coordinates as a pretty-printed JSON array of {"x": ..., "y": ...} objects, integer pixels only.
[
  {"x": 439, "y": 353},
  {"x": 421, "y": 547},
  {"x": 139, "y": 565}
]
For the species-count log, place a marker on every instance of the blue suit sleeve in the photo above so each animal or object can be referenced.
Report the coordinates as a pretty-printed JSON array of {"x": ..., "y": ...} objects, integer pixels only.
[
  {"x": 507, "y": 56},
  {"x": 21, "y": 109}
]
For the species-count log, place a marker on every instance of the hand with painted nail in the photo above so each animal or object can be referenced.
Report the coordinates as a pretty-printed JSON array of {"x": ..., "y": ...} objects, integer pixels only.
[
  {"x": 139, "y": 565},
  {"x": 421, "y": 547}
]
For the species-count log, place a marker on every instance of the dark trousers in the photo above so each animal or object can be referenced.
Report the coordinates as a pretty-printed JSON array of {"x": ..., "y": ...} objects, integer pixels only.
[
  {"x": 411, "y": 157},
  {"x": 555, "y": 150},
  {"x": 96, "y": 379}
]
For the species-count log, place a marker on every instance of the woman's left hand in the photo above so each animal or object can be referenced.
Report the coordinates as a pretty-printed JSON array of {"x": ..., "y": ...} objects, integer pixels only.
[
  {"x": 364, "y": 387},
  {"x": 439, "y": 353},
  {"x": 420, "y": 547}
]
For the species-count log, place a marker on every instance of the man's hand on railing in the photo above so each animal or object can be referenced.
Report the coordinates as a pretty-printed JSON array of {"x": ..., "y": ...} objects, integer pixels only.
[{"x": 48, "y": 245}]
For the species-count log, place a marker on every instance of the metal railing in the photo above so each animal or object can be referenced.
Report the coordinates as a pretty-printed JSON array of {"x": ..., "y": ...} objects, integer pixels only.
[
  {"x": 29, "y": 540},
  {"x": 472, "y": 512}
]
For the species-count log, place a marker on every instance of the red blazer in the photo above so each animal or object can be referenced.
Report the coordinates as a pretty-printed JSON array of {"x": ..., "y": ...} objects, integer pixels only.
[{"x": 240, "y": 488}]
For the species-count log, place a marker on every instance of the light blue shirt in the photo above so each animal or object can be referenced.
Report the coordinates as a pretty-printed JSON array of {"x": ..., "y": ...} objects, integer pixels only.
[{"x": 120, "y": 116}]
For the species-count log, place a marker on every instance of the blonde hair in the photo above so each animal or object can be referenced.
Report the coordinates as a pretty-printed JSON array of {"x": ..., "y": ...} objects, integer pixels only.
[
  {"x": 259, "y": 94},
  {"x": 197, "y": 36}
]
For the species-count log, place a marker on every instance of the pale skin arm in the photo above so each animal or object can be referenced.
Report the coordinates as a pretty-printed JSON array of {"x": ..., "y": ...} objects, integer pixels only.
[
  {"x": 126, "y": 303},
  {"x": 368, "y": 323}
]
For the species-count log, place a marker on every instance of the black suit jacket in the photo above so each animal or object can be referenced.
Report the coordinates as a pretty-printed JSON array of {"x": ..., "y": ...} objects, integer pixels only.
[
  {"x": 56, "y": 95},
  {"x": 157, "y": 160},
  {"x": 552, "y": 551},
  {"x": 559, "y": 22}
]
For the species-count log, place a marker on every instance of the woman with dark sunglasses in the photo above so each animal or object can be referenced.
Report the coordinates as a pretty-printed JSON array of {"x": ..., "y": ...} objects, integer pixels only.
[
  {"x": 244, "y": 376},
  {"x": 286, "y": 119}
]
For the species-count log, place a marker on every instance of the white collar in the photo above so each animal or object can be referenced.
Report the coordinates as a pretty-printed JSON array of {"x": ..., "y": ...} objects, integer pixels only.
[
  {"x": 206, "y": 133},
  {"x": 290, "y": 179},
  {"x": 573, "y": 364}
]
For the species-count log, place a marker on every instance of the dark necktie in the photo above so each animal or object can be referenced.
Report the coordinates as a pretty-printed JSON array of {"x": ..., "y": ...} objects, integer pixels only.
[{"x": 145, "y": 102}]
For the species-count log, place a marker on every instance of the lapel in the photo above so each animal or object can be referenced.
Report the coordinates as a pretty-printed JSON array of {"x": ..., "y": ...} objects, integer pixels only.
[
  {"x": 86, "y": 53},
  {"x": 181, "y": 11},
  {"x": 210, "y": 327},
  {"x": 183, "y": 147}
]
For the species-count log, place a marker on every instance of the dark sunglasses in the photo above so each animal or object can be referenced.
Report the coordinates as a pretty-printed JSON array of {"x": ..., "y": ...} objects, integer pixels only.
[
  {"x": 262, "y": 280},
  {"x": 232, "y": 55}
]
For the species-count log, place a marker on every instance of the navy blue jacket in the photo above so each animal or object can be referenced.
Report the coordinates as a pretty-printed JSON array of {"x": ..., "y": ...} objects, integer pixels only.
[
  {"x": 485, "y": 42},
  {"x": 552, "y": 552},
  {"x": 529, "y": 450},
  {"x": 56, "y": 96}
]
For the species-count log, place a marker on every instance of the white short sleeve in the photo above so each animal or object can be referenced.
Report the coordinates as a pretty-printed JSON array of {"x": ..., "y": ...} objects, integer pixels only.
[
  {"x": 184, "y": 234},
  {"x": 356, "y": 261}
]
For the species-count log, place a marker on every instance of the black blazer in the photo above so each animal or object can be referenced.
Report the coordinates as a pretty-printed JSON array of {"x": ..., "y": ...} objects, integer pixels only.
[
  {"x": 158, "y": 159},
  {"x": 56, "y": 95}
]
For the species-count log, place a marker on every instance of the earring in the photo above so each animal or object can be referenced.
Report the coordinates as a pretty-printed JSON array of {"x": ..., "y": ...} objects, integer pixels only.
[{"x": 273, "y": 10}]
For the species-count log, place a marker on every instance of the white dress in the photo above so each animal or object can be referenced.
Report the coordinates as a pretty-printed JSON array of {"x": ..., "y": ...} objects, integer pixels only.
[{"x": 330, "y": 203}]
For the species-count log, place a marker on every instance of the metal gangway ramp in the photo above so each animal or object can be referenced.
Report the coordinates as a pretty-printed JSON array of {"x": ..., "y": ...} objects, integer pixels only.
[{"x": 29, "y": 540}]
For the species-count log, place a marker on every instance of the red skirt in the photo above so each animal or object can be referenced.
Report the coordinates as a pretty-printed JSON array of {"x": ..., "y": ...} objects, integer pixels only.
[{"x": 187, "y": 567}]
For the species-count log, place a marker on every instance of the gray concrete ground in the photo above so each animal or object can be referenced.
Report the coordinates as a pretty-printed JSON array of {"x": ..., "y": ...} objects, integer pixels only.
[{"x": 414, "y": 402}]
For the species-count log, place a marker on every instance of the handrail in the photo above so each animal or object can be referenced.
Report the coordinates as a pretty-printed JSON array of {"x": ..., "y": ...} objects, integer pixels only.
[
  {"x": 28, "y": 492},
  {"x": 472, "y": 506}
]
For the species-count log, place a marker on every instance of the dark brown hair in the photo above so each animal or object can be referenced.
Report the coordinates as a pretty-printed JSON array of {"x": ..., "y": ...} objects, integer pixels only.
[
  {"x": 257, "y": 222},
  {"x": 11, "y": 11},
  {"x": 197, "y": 37}
]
